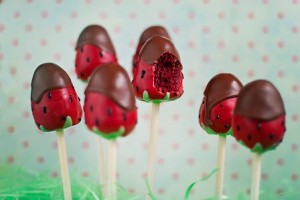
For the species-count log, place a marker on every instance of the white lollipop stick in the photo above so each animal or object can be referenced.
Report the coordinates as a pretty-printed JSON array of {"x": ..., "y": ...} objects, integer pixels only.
[
  {"x": 64, "y": 164},
  {"x": 112, "y": 170},
  {"x": 256, "y": 171},
  {"x": 220, "y": 166},
  {"x": 102, "y": 166},
  {"x": 152, "y": 145}
]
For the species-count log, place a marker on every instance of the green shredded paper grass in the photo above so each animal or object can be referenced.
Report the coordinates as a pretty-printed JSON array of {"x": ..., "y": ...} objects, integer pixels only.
[{"x": 20, "y": 184}]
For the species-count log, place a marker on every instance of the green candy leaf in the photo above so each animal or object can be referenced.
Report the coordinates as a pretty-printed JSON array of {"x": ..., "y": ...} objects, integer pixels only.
[
  {"x": 147, "y": 98},
  {"x": 258, "y": 148},
  {"x": 68, "y": 122},
  {"x": 212, "y": 132},
  {"x": 110, "y": 136},
  {"x": 150, "y": 193}
]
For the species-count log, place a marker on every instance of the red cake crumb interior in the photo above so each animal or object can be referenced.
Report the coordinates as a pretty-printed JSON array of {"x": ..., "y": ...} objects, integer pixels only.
[{"x": 167, "y": 73}]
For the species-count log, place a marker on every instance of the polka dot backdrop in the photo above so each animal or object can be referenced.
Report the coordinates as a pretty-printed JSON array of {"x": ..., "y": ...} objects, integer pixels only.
[{"x": 251, "y": 39}]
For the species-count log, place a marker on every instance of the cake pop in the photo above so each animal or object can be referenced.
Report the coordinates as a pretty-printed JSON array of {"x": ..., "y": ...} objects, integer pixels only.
[
  {"x": 215, "y": 115},
  {"x": 55, "y": 106},
  {"x": 259, "y": 123},
  {"x": 158, "y": 75},
  {"x": 94, "y": 48}
]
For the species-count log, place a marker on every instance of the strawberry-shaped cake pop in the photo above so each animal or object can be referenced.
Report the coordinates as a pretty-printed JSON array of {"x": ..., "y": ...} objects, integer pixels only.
[
  {"x": 54, "y": 102},
  {"x": 158, "y": 76},
  {"x": 218, "y": 103},
  {"x": 148, "y": 33},
  {"x": 94, "y": 48},
  {"x": 259, "y": 117},
  {"x": 109, "y": 105}
]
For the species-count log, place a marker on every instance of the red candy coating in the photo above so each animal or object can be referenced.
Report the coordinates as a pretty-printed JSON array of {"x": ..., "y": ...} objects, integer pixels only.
[
  {"x": 56, "y": 108},
  {"x": 105, "y": 116},
  {"x": 220, "y": 116},
  {"x": 259, "y": 136},
  {"x": 88, "y": 57}
]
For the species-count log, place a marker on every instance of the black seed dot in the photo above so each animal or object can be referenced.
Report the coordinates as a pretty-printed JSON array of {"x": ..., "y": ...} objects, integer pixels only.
[
  {"x": 81, "y": 74},
  {"x": 97, "y": 122},
  {"x": 81, "y": 49},
  {"x": 124, "y": 117},
  {"x": 91, "y": 108},
  {"x": 44, "y": 109},
  {"x": 182, "y": 75},
  {"x": 271, "y": 136},
  {"x": 203, "y": 102},
  {"x": 258, "y": 126},
  {"x": 217, "y": 117},
  {"x": 79, "y": 119},
  {"x": 85, "y": 100},
  {"x": 238, "y": 128},
  {"x": 280, "y": 140},
  {"x": 49, "y": 95},
  {"x": 64, "y": 118},
  {"x": 71, "y": 98},
  {"x": 73, "y": 86},
  {"x": 38, "y": 124},
  {"x": 109, "y": 111},
  {"x": 249, "y": 137},
  {"x": 226, "y": 126},
  {"x": 283, "y": 123},
  {"x": 199, "y": 115},
  {"x": 143, "y": 73},
  {"x": 88, "y": 59},
  {"x": 79, "y": 99},
  {"x": 221, "y": 105},
  {"x": 137, "y": 88},
  {"x": 101, "y": 54},
  {"x": 284, "y": 128}
]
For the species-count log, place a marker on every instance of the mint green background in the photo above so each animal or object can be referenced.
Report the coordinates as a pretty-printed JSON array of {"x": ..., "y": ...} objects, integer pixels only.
[{"x": 181, "y": 139}]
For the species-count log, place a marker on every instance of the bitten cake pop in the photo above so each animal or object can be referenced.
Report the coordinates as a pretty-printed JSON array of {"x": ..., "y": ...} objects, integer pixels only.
[
  {"x": 158, "y": 75},
  {"x": 215, "y": 115},
  {"x": 55, "y": 106},
  {"x": 157, "y": 78},
  {"x": 94, "y": 48},
  {"x": 217, "y": 106},
  {"x": 109, "y": 106},
  {"x": 54, "y": 101},
  {"x": 147, "y": 34},
  {"x": 259, "y": 123}
]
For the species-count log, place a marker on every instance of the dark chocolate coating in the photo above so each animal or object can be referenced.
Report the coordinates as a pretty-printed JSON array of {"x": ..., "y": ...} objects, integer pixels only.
[
  {"x": 155, "y": 47},
  {"x": 113, "y": 81},
  {"x": 219, "y": 88},
  {"x": 48, "y": 76},
  {"x": 259, "y": 100},
  {"x": 96, "y": 35},
  {"x": 152, "y": 31}
]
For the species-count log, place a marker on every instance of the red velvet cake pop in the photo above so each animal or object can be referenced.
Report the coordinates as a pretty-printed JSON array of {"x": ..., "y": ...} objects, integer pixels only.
[
  {"x": 216, "y": 110},
  {"x": 147, "y": 34},
  {"x": 94, "y": 48},
  {"x": 158, "y": 75},
  {"x": 259, "y": 117},
  {"x": 54, "y": 102},
  {"x": 109, "y": 106}
]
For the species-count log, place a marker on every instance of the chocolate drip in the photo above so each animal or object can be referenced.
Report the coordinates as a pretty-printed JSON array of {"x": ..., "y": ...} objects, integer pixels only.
[
  {"x": 155, "y": 47},
  {"x": 113, "y": 81},
  {"x": 153, "y": 31},
  {"x": 48, "y": 76},
  {"x": 260, "y": 100},
  {"x": 219, "y": 88},
  {"x": 95, "y": 35}
]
